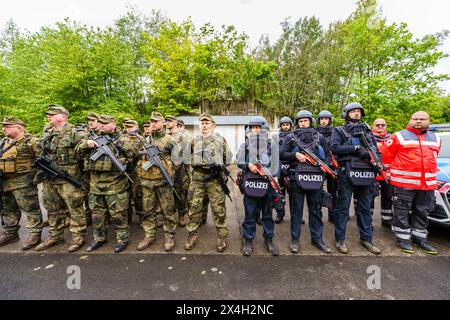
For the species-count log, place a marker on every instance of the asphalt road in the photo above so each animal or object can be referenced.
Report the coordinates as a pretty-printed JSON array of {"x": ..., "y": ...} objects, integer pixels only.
[{"x": 172, "y": 276}]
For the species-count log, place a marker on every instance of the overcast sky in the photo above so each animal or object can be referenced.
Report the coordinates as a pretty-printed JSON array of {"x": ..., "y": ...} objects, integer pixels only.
[{"x": 254, "y": 17}]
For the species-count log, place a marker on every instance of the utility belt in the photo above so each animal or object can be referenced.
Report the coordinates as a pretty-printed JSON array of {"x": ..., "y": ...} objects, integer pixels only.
[
  {"x": 307, "y": 177},
  {"x": 201, "y": 170},
  {"x": 359, "y": 172},
  {"x": 16, "y": 165}
]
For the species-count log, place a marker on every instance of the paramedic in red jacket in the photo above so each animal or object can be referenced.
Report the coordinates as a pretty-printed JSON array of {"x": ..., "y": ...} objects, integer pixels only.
[
  {"x": 381, "y": 135},
  {"x": 412, "y": 155}
]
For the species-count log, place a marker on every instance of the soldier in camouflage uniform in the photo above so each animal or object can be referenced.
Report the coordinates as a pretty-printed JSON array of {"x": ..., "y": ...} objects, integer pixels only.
[
  {"x": 92, "y": 126},
  {"x": 147, "y": 129},
  {"x": 204, "y": 184},
  {"x": 60, "y": 197},
  {"x": 109, "y": 188},
  {"x": 156, "y": 189},
  {"x": 205, "y": 204},
  {"x": 18, "y": 151},
  {"x": 182, "y": 144},
  {"x": 147, "y": 133},
  {"x": 132, "y": 132}
]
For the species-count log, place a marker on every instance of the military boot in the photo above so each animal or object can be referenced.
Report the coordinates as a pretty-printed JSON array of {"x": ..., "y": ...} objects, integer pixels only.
[
  {"x": 120, "y": 246},
  {"x": 95, "y": 245},
  {"x": 144, "y": 244},
  {"x": 221, "y": 244},
  {"x": 270, "y": 246},
  {"x": 76, "y": 244},
  {"x": 32, "y": 241},
  {"x": 247, "y": 247},
  {"x": 169, "y": 242},
  {"x": 6, "y": 238},
  {"x": 191, "y": 240},
  {"x": 50, "y": 242}
]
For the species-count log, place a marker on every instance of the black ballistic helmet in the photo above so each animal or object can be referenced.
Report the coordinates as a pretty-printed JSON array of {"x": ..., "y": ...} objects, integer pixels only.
[
  {"x": 352, "y": 106},
  {"x": 258, "y": 121},
  {"x": 325, "y": 114},
  {"x": 286, "y": 120},
  {"x": 304, "y": 114}
]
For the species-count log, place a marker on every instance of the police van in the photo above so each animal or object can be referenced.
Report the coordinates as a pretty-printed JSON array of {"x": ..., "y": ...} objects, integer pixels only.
[{"x": 441, "y": 214}]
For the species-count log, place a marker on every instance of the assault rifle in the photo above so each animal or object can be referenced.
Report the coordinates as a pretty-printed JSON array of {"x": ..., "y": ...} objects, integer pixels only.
[
  {"x": 264, "y": 172},
  {"x": 374, "y": 160},
  {"x": 216, "y": 171},
  {"x": 153, "y": 153},
  {"x": 315, "y": 161},
  {"x": 46, "y": 164},
  {"x": 103, "y": 149}
]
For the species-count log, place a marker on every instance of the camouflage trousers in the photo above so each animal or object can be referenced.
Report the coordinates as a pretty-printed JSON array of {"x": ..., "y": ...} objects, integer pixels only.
[
  {"x": 197, "y": 192},
  {"x": 60, "y": 199},
  {"x": 158, "y": 193},
  {"x": 116, "y": 206},
  {"x": 18, "y": 201},
  {"x": 182, "y": 181}
]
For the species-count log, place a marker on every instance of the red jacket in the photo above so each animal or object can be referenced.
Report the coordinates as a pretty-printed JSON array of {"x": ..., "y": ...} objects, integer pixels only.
[
  {"x": 381, "y": 144},
  {"x": 412, "y": 157}
]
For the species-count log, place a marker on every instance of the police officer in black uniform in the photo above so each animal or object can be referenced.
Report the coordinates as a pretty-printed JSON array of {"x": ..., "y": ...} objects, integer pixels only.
[
  {"x": 325, "y": 128},
  {"x": 286, "y": 127},
  {"x": 258, "y": 149},
  {"x": 356, "y": 176},
  {"x": 306, "y": 179}
]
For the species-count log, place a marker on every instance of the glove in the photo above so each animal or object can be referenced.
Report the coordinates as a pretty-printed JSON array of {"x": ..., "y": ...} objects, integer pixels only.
[{"x": 362, "y": 152}]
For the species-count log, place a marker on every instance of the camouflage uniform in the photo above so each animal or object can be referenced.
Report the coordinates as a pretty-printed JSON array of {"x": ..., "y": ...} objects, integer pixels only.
[
  {"x": 136, "y": 186},
  {"x": 182, "y": 144},
  {"x": 109, "y": 188},
  {"x": 19, "y": 193},
  {"x": 85, "y": 177},
  {"x": 203, "y": 184},
  {"x": 155, "y": 188},
  {"x": 60, "y": 196}
]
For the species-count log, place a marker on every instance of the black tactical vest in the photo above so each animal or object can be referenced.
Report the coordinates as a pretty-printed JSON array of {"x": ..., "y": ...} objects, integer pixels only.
[{"x": 359, "y": 171}]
